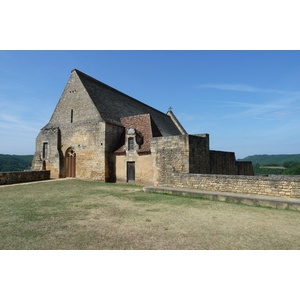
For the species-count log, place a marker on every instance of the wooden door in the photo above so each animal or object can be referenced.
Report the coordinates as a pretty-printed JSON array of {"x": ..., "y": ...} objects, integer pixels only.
[
  {"x": 71, "y": 163},
  {"x": 130, "y": 171}
]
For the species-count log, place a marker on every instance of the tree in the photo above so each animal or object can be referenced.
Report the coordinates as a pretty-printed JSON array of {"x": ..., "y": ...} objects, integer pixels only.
[
  {"x": 292, "y": 171},
  {"x": 290, "y": 164}
]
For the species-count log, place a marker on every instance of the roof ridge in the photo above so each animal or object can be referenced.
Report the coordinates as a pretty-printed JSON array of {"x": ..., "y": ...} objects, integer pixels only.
[{"x": 111, "y": 88}]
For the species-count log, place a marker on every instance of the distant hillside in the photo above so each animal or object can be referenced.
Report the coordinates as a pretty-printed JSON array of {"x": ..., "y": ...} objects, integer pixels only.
[
  {"x": 266, "y": 159},
  {"x": 10, "y": 163}
]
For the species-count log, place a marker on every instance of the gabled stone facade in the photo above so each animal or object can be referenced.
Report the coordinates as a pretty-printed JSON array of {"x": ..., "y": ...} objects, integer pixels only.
[{"x": 99, "y": 133}]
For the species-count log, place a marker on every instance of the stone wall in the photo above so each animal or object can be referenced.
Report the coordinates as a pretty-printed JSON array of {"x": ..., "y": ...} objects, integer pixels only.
[
  {"x": 87, "y": 140},
  {"x": 26, "y": 176},
  {"x": 171, "y": 154},
  {"x": 191, "y": 154},
  {"x": 48, "y": 155},
  {"x": 244, "y": 168},
  {"x": 280, "y": 186},
  {"x": 199, "y": 154},
  {"x": 222, "y": 163},
  {"x": 75, "y": 105},
  {"x": 112, "y": 136},
  {"x": 89, "y": 146},
  {"x": 143, "y": 168},
  {"x": 74, "y": 126}
]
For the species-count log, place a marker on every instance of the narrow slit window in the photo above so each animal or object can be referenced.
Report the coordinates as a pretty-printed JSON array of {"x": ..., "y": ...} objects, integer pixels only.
[
  {"x": 45, "y": 150},
  {"x": 72, "y": 115}
]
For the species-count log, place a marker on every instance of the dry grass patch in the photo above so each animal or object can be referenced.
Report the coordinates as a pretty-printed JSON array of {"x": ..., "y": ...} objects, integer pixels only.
[{"x": 75, "y": 214}]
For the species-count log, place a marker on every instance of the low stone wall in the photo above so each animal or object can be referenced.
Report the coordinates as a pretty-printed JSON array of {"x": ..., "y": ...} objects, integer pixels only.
[
  {"x": 280, "y": 186},
  {"x": 25, "y": 176}
]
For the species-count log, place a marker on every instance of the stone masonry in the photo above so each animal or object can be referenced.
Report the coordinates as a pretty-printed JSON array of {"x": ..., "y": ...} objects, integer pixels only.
[
  {"x": 24, "y": 176},
  {"x": 99, "y": 133},
  {"x": 279, "y": 186}
]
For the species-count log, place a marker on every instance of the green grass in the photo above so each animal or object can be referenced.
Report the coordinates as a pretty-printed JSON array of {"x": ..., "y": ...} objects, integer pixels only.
[{"x": 73, "y": 214}]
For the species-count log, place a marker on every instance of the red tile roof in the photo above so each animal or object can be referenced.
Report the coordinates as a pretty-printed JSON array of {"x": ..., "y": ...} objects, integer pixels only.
[{"x": 145, "y": 128}]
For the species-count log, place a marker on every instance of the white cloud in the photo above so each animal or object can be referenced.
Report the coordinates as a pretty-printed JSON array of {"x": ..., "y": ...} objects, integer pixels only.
[
  {"x": 8, "y": 118},
  {"x": 187, "y": 117},
  {"x": 283, "y": 107},
  {"x": 17, "y": 135},
  {"x": 231, "y": 103},
  {"x": 13, "y": 122},
  {"x": 240, "y": 88}
]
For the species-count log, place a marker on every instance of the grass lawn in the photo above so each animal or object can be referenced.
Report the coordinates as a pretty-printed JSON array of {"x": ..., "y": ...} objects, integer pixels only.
[{"x": 73, "y": 214}]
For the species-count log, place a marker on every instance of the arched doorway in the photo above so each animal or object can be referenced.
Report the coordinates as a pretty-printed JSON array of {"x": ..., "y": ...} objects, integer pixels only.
[{"x": 70, "y": 163}]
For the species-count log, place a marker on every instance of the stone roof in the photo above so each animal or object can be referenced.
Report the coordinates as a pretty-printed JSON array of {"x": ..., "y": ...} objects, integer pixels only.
[
  {"x": 114, "y": 105},
  {"x": 145, "y": 128}
]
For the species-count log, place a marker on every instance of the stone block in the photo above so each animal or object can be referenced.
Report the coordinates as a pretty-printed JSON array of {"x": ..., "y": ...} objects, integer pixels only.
[{"x": 295, "y": 193}]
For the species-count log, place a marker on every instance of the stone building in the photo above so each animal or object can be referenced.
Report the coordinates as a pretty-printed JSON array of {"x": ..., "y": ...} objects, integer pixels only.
[{"x": 98, "y": 133}]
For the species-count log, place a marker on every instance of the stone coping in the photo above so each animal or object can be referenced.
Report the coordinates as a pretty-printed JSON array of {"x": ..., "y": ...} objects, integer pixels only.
[
  {"x": 257, "y": 200},
  {"x": 251, "y": 177}
]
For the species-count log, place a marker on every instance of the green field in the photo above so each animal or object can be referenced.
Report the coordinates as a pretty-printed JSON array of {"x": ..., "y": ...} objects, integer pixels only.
[{"x": 73, "y": 214}]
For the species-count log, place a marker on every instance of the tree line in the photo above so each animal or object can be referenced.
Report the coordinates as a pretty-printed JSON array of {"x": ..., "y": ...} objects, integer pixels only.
[
  {"x": 282, "y": 164},
  {"x": 12, "y": 163},
  {"x": 287, "y": 168}
]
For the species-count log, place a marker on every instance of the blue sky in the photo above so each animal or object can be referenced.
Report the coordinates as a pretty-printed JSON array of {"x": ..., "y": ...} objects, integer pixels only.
[{"x": 248, "y": 101}]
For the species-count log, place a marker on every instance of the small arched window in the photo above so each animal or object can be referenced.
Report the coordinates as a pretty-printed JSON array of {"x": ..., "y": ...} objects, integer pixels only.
[{"x": 130, "y": 143}]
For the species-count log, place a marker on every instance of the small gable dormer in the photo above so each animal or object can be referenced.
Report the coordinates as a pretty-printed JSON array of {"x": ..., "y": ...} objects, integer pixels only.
[{"x": 133, "y": 140}]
